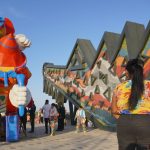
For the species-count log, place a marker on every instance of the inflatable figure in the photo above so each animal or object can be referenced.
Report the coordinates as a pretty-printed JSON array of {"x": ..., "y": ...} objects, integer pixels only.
[{"x": 14, "y": 74}]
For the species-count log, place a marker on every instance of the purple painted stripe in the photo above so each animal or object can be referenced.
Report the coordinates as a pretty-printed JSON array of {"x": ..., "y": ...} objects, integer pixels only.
[{"x": 9, "y": 47}]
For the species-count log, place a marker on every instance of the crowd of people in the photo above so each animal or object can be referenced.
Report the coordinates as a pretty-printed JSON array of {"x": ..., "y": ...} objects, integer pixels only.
[{"x": 53, "y": 117}]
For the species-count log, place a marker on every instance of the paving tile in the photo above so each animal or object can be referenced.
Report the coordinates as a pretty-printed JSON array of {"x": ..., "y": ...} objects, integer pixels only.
[{"x": 94, "y": 139}]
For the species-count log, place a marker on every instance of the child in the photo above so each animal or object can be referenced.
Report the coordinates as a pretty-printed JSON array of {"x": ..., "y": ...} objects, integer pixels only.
[
  {"x": 53, "y": 118},
  {"x": 81, "y": 119}
]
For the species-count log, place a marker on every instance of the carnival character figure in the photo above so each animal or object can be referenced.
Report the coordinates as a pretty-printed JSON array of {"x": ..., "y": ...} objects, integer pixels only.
[{"x": 12, "y": 64}]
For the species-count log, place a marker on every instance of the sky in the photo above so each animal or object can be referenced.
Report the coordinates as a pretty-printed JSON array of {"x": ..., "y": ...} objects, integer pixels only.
[{"x": 53, "y": 26}]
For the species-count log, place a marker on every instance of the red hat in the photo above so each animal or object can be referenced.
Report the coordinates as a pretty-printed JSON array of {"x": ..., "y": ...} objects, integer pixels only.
[
  {"x": 10, "y": 54},
  {"x": 9, "y": 26}
]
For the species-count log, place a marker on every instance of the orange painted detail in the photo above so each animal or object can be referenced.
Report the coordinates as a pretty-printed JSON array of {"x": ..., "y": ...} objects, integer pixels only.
[
  {"x": 147, "y": 69},
  {"x": 84, "y": 98},
  {"x": 97, "y": 99},
  {"x": 119, "y": 68},
  {"x": 10, "y": 54},
  {"x": 71, "y": 74},
  {"x": 81, "y": 83},
  {"x": 147, "y": 65},
  {"x": 88, "y": 74}
]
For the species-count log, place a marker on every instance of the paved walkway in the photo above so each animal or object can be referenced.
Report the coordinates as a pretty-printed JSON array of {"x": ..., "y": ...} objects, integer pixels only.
[{"x": 94, "y": 139}]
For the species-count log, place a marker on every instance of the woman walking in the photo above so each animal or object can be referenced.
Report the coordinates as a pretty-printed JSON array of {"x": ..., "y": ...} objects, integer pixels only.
[
  {"x": 53, "y": 118},
  {"x": 131, "y": 107}
]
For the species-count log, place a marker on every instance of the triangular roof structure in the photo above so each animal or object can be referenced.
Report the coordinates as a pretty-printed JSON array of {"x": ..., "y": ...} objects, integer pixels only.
[
  {"x": 107, "y": 46},
  {"x": 127, "y": 48},
  {"x": 145, "y": 43},
  {"x": 132, "y": 34},
  {"x": 145, "y": 51},
  {"x": 80, "y": 54}
]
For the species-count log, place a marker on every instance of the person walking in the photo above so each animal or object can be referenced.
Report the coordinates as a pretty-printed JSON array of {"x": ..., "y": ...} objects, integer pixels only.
[
  {"x": 46, "y": 114},
  {"x": 39, "y": 115},
  {"x": 61, "y": 117},
  {"x": 32, "y": 117},
  {"x": 131, "y": 107},
  {"x": 53, "y": 118},
  {"x": 23, "y": 121},
  {"x": 81, "y": 119}
]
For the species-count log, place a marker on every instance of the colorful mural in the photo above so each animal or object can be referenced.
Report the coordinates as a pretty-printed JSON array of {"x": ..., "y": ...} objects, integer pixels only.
[
  {"x": 146, "y": 53},
  {"x": 121, "y": 59},
  {"x": 103, "y": 51},
  {"x": 88, "y": 80}
]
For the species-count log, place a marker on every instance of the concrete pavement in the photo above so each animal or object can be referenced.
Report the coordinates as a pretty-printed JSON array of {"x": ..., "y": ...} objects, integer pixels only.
[{"x": 94, "y": 139}]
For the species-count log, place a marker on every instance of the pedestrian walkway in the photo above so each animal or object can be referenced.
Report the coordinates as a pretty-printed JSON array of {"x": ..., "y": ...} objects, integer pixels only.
[{"x": 94, "y": 139}]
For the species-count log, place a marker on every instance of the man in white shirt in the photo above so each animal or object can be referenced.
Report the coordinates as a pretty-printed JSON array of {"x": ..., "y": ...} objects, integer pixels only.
[{"x": 46, "y": 114}]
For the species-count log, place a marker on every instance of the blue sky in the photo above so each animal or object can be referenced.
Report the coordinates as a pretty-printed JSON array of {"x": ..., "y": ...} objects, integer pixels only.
[{"x": 53, "y": 26}]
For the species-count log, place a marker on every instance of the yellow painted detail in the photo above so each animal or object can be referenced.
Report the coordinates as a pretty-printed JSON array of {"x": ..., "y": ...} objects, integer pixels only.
[{"x": 6, "y": 69}]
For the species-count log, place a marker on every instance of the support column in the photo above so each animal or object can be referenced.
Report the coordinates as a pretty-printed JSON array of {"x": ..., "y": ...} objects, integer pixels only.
[
  {"x": 71, "y": 113},
  {"x": 74, "y": 113}
]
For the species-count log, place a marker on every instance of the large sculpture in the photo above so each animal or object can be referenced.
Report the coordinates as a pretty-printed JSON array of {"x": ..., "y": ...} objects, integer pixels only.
[{"x": 14, "y": 74}]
